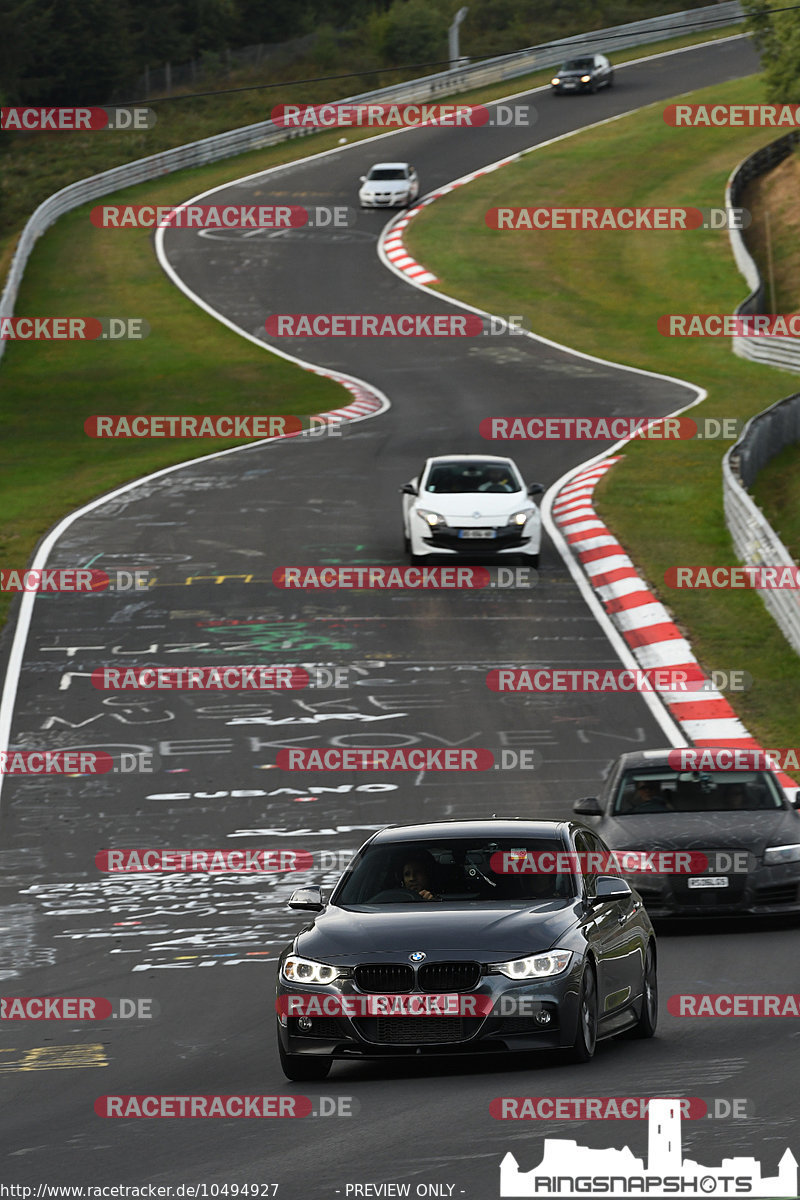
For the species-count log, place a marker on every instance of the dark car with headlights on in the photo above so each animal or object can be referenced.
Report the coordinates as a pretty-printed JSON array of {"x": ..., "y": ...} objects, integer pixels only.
[
  {"x": 466, "y": 937},
  {"x": 584, "y": 74},
  {"x": 737, "y": 832}
]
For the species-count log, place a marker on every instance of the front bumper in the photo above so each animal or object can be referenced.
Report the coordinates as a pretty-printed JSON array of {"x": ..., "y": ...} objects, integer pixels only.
[
  {"x": 397, "y": 1037},
  {"x": 763, "y": 891},
  {"x": 385, "y": 201}
]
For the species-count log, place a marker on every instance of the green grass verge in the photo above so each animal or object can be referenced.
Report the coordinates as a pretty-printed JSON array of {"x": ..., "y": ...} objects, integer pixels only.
[
  {"x": 777, "y": 492},
  {"x": 602, "y": 293},
  {"x": 189, "y": 363}
]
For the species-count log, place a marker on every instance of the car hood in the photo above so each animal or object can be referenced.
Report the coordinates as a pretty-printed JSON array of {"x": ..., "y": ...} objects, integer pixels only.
[
  {"x": 394, "y": 931},
  {"x": 698, "y": 831},
  {"x": 385, "y": 185},
  {"x": 574, "y": 73},
  {"x": 474, "y": 505}
]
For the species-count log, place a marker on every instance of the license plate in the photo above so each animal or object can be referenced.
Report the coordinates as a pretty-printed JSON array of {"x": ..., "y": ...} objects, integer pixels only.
[
  {"x": 477, "y": 533},
  {"x": 566, "y": 85},
  {"x": 708, "y": 881}
]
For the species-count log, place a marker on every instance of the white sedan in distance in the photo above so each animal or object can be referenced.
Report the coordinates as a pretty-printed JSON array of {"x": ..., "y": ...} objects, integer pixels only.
[
  {"x": 388, "y": 185},
  {"x": 472, "y": 506}
]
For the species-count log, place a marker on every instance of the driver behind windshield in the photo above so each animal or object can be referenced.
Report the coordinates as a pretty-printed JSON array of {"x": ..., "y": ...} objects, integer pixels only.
[{"x": 417, "y": 876}]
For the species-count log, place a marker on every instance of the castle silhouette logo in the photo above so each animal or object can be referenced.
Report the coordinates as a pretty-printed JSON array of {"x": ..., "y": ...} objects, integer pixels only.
[{"x": 568, "y": 1169}]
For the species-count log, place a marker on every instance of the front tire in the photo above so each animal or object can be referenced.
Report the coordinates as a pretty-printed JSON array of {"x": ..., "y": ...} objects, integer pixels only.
[
  {"x": 645, "y": 1027},
  {"x": 585, "y": 1043},
  {"x": 300, "y": 1069}
]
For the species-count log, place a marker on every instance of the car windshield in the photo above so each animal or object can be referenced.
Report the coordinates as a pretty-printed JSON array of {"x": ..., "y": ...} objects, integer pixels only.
[
  {"x": 383, "y": 173},
  {"x": 455, "y": 871},
  {"x": 472, "y": 476},
  {"x": 645, "y": 792},
  {"x": 578, "y": 64}
]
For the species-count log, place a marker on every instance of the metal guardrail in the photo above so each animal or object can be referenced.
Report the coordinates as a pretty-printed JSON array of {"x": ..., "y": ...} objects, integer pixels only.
[
  {"x": 265, "y": 133},
  {"x": 772, "y": 351},
  {"x": 755, "y": 541}
]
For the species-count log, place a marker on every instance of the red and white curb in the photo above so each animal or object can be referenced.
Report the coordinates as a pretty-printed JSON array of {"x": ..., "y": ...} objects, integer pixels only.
[
  {"x": 642, "y": 621},
  {"x": 398, "y": 256}
]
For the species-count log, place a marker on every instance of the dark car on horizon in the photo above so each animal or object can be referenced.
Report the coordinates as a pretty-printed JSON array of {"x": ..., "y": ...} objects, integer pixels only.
[
  {"x": 445, "y": 912},
  {"x": 738, "y": 832},
  {"x": 584, "y": 74}
]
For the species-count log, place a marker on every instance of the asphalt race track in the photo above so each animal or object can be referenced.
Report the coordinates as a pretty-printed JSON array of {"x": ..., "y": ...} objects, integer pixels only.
[{"x": 204, "y": 948}]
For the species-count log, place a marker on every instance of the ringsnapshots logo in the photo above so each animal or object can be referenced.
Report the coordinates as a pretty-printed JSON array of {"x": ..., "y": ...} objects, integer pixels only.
[
  {"x": 76, "y": 120},
  {"x": 570, "y": 1170},
  {"x": 401, "y": 116},
  {"x": 73, "y": 329}
]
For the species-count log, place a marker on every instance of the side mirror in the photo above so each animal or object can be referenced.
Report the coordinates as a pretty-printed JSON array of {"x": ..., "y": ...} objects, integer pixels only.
[
  {"x": 408, "y": 489},
  {"x": 589, "y": 806},
  {"x": 608, "y": 888},
  {"x": 535, "y": 489},
  {"x": 309, "y": 899},
  {"x": 363, "y": 178}
]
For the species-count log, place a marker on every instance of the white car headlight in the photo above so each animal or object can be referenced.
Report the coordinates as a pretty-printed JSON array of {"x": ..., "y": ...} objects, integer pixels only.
[
  {"x": 435, "y": 520},
  {"x": 586, "y": 78},
  {"x": 519, "y": 518},
  {"x": 305, "y": 970},
  {"x": 781, "y": 854},
  {"x": 555, "y": 79},
  {"x": 537, "y": 966}
]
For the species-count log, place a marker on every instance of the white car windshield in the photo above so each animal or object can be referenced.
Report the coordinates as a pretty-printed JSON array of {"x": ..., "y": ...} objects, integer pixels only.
[
  {"x": 473, "y": 476},
  {"x": 384, "y": 173}
]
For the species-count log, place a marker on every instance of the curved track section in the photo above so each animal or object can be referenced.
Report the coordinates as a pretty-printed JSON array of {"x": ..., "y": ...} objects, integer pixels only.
[{"x": 204, "y": 947}]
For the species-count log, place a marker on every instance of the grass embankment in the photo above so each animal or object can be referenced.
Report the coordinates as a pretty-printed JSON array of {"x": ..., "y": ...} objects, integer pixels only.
[
  {"x": 603, "y": 293},
  {"x": 188, "y": 364},
  {"x": 776, "y": 197}
]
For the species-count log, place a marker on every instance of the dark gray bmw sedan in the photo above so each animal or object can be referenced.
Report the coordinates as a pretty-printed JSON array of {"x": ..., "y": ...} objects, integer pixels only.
[{"x": 467, "y": 937}]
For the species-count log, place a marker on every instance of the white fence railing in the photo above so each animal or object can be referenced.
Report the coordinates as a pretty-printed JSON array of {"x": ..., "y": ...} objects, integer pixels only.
[
  {"x": 755, "y": 541},
  {"x": 772, "y": 351},
  {"x": 265, "y": 133}
]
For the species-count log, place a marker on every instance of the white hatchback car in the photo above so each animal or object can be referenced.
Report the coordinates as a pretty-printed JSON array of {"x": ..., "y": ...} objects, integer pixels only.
[
  {"x": 388, "y": 185},
  {"x": 471, "y": 505}
]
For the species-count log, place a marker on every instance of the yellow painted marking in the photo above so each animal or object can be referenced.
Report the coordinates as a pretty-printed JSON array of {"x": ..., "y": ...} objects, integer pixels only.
[
  {"x": 50, "y": 1058},
  {"x": 218, "y": 578}
]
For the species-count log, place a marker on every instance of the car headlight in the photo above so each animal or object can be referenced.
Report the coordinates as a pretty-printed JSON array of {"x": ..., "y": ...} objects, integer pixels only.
[
  {"x": 586, "y": 79},
  {"x": 435, "y": 520},
  {"x": 305, "y": 970},
  {"x": 555, "y": 79},
  {"x": 537, "y": 966},
  {"x": 781, "y": 854},
  {"x": 519, "y": 518}
]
